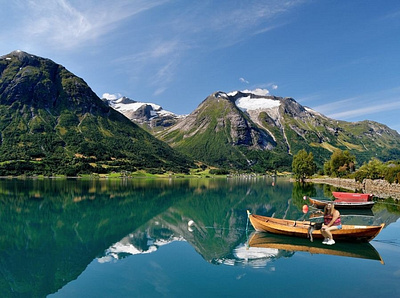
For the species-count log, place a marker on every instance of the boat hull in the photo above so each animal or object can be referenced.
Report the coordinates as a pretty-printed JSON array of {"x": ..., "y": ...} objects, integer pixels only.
[
  {"x": 342, "y": 205},
  {"x": 300, "y": 229},
  {"x": 352, "y": 197}
]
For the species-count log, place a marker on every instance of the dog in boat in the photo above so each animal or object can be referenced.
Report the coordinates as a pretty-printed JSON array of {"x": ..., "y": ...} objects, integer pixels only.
[{"x": 313, "y": 226}]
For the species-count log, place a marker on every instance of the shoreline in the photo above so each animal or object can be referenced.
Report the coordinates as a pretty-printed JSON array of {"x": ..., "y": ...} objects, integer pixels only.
[{"x": 378, "y": 188}]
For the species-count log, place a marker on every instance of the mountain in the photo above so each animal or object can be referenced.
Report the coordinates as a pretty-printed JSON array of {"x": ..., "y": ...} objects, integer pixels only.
[
  {"x": 258, "y": 132},
  {"x": 148, "y": 115},
  {"x": 52, "y": 122}
]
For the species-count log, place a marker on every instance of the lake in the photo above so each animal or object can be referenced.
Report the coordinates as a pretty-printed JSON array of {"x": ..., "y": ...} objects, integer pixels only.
[{"x": 182, "y": 237}]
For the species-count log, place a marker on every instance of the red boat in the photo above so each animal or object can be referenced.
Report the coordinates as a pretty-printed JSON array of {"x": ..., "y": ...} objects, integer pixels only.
[{"x": 351, "y": 197}]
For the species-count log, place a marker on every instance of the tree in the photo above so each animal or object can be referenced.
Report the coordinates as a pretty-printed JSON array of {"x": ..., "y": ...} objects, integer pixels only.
[
  {"x": 303, "y": 165},
  {"x": 374, "y": 169},
  {"x": 392, "y": 172},
  {"x": 341, "y": 164}
]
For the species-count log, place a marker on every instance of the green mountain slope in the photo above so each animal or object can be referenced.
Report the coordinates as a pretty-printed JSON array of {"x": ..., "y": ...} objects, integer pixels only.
[
  {"x": 219, "y": 134},
  {"x": 52, "y": 122},
  {"x": 258, "y": 133}
]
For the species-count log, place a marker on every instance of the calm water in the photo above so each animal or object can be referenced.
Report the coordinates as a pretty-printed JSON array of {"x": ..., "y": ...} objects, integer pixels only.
[{"x": 131, "y": 238}]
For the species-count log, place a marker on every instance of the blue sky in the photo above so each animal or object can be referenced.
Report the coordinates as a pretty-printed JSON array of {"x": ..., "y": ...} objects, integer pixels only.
[{"x": 341, "y": 58}]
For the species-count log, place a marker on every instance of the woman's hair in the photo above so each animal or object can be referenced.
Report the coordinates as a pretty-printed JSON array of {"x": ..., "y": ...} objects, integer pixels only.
[{"x": 331, "y": 210}]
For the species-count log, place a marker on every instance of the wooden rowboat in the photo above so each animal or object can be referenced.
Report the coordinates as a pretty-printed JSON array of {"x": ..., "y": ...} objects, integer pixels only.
[
  {"x": 295, "y": 228},
  {"x": 281, "y": 242},
  {"x": 341, "y": 205},
  {"x": 352, "y": 197}
]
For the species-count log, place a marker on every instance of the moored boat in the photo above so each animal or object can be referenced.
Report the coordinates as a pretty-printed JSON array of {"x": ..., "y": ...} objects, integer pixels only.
[
  {"x": 352, "y": 197},
  {"x": 363, "y": 213},
  {"x": 341, "y": 205},
  {"x": 358, "y": 233}
]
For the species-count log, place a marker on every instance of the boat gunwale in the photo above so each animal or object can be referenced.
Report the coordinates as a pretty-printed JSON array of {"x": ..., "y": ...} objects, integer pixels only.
[{"x": 340, "y": 204}]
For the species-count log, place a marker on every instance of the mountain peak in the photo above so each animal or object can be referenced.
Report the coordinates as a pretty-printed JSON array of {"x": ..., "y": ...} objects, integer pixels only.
[
  {"x": 41, "y": 83},
  {"x": 259, "y": 131},
  {"x": 50, "y": 118},
  {"x": 149, "y": 114},
  {"x": 21, "y": 56},
  {"x": 19, "y": 53}
]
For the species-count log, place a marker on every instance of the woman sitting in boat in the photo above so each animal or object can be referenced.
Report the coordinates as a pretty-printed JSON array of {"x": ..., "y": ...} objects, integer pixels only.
[{"x": 332, "y": 222}]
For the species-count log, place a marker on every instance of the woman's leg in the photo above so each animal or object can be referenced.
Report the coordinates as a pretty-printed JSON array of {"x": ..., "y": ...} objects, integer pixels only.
[
  {"x": 324, "y": 233},
  {"x": 328, "y": 231}
]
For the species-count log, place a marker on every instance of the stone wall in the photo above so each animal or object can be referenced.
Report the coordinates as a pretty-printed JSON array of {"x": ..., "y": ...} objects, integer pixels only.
[{"x": 379, "y": 188}]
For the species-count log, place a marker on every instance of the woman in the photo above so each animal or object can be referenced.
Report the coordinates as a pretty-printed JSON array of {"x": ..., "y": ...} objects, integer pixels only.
[{"x": 332, "y": 222}]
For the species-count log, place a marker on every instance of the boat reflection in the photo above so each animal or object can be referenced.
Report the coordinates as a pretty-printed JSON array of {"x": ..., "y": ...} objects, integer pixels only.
[{"x": 282, "y": 243}]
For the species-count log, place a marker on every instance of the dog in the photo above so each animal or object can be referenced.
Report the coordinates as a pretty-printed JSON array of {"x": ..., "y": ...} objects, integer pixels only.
[{"x": 313, "y": 226}]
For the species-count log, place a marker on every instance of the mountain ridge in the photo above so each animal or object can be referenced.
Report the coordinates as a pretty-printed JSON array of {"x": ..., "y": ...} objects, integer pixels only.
[
  {"x": 52, "y": 122},
  {"x": 148, "y": 115},
  {"x": 267, "y": 128}
]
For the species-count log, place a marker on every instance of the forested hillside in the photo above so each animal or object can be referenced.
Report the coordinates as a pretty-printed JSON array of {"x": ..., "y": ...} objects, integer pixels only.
[{"x": 51, "y": 122}]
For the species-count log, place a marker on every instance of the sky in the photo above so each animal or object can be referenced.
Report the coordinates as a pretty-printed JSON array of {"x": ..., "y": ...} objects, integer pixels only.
[{"x": 338, "y": 57}]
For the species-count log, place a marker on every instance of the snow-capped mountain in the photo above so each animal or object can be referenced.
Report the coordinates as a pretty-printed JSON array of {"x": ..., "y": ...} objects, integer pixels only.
[
  {"x": 255, "y": 130},
  {"x": 252, "y": 129},
  {"x": 142, "y": 113}
]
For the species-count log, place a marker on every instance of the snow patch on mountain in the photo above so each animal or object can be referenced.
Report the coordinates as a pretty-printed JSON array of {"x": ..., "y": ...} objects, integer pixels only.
[
  {"x": 141, "y": 112},
  {"x": 258, "y": 99},
  {"x": 248, "y": 103},
  {"x": 124, "y": 104}
]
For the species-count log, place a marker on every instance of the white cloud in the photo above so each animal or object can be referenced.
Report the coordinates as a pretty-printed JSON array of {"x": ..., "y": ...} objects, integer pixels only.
[
  {"x": 163, "y": 76},
  {"x": 159, "y": 62},
  {"x": 159, "y": 91},
  {"x": 251, "y": 18},
  {"x": 152, "y": 47},
  {"x": 368, "y": 110},
  {"x": 257, "y": 91},
  {"x": 69, "y": 24},
  {"x": 154, "y": 51},
  {"x": 362, "y": 105},
  {"x": 109, "y": 96},
  {"x": 262, "y": 90}
]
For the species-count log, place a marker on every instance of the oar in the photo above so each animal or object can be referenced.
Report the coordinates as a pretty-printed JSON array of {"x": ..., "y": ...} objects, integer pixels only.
[{"x": 247, "y": 222}]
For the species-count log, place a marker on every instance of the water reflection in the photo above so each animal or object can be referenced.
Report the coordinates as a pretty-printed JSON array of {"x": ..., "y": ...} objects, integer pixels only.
[
  {"x": 293, "y": 244},
  {"x": 51, "y": 229},
  {"x": 253, "y": 256}
]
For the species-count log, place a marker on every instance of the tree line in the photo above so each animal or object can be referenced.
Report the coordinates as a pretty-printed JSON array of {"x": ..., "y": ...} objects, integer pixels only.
[{"x": 342, "y": 164}]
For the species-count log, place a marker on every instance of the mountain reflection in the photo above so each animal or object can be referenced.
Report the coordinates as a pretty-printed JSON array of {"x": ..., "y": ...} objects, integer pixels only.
[{"x": 53, "y": 228}]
